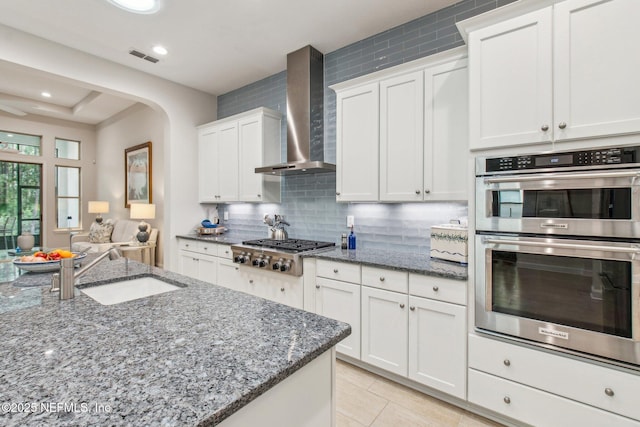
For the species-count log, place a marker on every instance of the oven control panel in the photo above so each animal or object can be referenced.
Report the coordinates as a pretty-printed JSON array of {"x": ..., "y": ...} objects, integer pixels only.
[{"x": 586, "y": 158}]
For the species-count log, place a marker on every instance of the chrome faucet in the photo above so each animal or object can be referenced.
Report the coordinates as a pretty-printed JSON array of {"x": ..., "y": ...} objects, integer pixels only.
[{"x": 65, "y": 280}]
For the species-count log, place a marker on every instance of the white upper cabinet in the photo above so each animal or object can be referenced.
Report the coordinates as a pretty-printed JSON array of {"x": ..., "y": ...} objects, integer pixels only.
[
  {"x": 510, "y": 88},
  {"x": 357, "y": 144},
  {"x": 596, "y": 68},
  {"x": 401, "y": 132},
  {"x": 446, "y": 132},
  {"x": 401, "y": 137},
  {"x": 229, "y": 151},
  {"x": 562, "y": 72}
]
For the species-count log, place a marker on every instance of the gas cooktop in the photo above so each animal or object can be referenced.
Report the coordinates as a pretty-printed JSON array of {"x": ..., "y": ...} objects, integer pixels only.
[{"x": 293, "y": 245}]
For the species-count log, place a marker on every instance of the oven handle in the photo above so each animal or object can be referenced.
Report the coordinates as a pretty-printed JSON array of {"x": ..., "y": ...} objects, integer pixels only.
[
  {"x": 520, "y": 178},
  {"x": 627, "y": 250}
]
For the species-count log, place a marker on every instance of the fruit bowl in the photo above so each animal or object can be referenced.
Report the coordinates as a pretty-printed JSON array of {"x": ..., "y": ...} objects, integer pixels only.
[{"x": 46, "y": 266}]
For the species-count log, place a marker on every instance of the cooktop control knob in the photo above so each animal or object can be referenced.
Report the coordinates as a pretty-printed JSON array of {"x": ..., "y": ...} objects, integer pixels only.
[
  {"x": 278, "y": 264},
  {"x": 286, "y": 266},
  {"x": 257, "y": 262}
]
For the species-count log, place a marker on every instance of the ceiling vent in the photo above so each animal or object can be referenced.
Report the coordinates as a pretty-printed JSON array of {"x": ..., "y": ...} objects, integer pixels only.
[{"x": 142, "y": 55}]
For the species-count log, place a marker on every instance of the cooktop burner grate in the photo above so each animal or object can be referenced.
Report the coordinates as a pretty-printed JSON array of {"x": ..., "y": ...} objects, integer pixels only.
[{"x": 296, "y": 245}]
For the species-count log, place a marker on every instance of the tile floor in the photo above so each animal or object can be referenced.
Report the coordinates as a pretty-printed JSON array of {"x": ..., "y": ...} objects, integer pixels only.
[{"x": 364, "y": 399}]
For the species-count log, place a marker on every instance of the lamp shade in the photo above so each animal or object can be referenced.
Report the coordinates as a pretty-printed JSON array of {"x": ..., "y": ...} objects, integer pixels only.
[
  {"x": 143, "y": 211},
  {"x": 99, "y": 207}
]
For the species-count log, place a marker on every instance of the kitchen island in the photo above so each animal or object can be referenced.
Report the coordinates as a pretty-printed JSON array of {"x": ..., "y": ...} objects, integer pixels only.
[{"x": 200, "y": 355}]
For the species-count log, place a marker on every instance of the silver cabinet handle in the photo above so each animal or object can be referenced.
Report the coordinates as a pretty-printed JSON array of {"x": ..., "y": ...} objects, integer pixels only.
[
  {"x": 382, "y": 278},
  {"x": 412, "y": 308},
  {"x": 427, "y": 191},
  {"x": 507, "y": 400},
  {"x": 317, "y": 286},
  {"x": 545, "y": 128},
  {"x": 632, "y": 250},
  {"x": 436, "y": 289},
  {"x": 507, "y": 362},
  {"x": 562, "y": 125},
  {"x": 401, "y": 305},
  {"x": 418, "y": 192},
  {"x": 609, "y": 392},
  {"x": 335, "y": 270},
  {"x": 555, "y": 176}
]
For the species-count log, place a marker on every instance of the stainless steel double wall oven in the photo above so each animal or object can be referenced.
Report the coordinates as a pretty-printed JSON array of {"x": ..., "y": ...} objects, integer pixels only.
[{"x": 558, "y": 250}]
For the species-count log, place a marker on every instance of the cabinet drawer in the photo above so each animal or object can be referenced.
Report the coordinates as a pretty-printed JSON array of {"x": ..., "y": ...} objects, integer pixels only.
[
  {"x": 188, "y": 245},
  {"x": 343, "y": 271},
  {"x": 224, "y": 251},
  {"x": 391, "y": 280},
  {"x": 438, "y": 288},
  {"x": 596, "y": 385},
  {"x": 536, "y": 407},
  {"x": 208, "y": 248}
]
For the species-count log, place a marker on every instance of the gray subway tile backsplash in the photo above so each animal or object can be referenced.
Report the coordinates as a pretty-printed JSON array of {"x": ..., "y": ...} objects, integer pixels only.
[{"x": 308, "y": 201}]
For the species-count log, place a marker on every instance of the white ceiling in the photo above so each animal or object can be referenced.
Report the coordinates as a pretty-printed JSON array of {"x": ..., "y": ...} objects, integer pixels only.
[{"x": 214, "y": 46}]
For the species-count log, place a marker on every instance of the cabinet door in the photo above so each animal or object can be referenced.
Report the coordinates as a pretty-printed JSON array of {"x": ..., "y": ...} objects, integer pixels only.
[
  {"x": 357, "y": 136},
  {"x": 341, "y": 301},
  {"x": 208, "y": 269},
  {"x": 250, "y": 136},
  {"x": 510, "y": 86},
  {"x": 188, "y": 264},
  {"x": 227, "y": 162},
  {"x": 384, "y": 329},
  {"x": 229, "y": 274},
  {"x": 437, "y": 345},
  {"x": 596, "y": 89},
  {"x": 208, "y": 184},
  {"x": 401, "y": 138},
  {"x": 446, "y": 135}
]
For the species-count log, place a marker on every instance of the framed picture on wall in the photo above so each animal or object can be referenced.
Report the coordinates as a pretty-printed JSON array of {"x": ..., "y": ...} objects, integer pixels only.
[{"x": 137, "y": 174}]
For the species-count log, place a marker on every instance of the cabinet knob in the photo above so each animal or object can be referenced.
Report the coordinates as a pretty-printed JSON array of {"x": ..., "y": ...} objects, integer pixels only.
[
  {"x": 545, "y": 128},
  {"x": 436, "y": 289},
  {"x": 206, "y": 248},
  {"x": 401, "y": 305},
  {"x": 237, "y": 268},
  {"x": 562, "y": 125},
  {"x": 251, "y": 281},
  {"x": 186, "y": 246},
  {"x": 195, "y": 259},
  {"x": 382, "y": 278},
  {"x": 317, "y": 286},
  {"x": 281, "y": 289},
  {"x": 337, "y": 193},
  {"x": 259, "y": 195},
  {"x": 418, "y": 192},
  {"x": 507, "y": 400},
  {"x": 412, "y": 308},
  {"x": 427, "y": 191},
  {"x": 335, "y": 270},
  {"x": 226, "y": 252},
  {"x": 507, "y": 362},
  {"x": 609, "y": 392}
]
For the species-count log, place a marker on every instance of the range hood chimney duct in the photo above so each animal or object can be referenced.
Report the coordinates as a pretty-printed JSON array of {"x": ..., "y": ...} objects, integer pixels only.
[{"x": 305, "y": 116}]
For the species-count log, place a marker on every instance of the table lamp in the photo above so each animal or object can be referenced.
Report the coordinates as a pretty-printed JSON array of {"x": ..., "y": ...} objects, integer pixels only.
[
  {"x": 143, "y": 211},
  {"x": 99, "y": 207}
]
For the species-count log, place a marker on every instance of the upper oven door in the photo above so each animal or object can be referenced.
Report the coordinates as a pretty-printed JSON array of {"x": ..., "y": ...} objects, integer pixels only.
[{"x": 595, "y": 203}]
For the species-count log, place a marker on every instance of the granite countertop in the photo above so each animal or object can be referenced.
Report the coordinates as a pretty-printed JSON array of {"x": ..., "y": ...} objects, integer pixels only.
[
  {"x": 229, "y": 237},
  {"x": 420, "y": 263},
  {"x": 193, "y": 356}
]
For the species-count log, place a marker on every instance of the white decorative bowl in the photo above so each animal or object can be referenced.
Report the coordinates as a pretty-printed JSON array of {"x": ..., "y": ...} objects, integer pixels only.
[{"x": 46, "y": 266}]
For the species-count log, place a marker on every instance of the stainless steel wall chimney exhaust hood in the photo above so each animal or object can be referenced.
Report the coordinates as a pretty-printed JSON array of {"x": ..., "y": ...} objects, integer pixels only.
[{"x": 305, "y": 121}]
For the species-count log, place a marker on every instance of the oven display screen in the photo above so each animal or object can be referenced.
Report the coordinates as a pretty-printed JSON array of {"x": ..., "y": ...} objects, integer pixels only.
[{"x": 559, "y": 160}]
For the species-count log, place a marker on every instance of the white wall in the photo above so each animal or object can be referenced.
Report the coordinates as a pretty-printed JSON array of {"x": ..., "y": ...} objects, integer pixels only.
[
  {"x": 183, "y": 109},
  {"x": 133, "y": 126},
  {"x": 49, "y": 129}
]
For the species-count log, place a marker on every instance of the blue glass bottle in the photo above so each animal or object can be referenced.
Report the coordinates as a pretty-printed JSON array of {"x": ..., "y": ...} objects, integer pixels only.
[{"x": 352, "y": 239}]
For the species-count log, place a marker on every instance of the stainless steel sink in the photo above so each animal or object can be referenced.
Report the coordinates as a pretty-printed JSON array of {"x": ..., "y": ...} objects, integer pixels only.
[{"x": 128, "y": 290}]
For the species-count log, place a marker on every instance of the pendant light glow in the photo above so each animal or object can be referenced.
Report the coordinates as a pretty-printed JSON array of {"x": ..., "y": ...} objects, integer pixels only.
[{"x": 138, "y": 6}]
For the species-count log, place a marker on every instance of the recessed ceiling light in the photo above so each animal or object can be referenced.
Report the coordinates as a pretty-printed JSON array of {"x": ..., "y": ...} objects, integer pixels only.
[
  {"x": 46, "y": 94},
  {"x": 138, "y": 6},
  {"x": 160, "y": 50}
]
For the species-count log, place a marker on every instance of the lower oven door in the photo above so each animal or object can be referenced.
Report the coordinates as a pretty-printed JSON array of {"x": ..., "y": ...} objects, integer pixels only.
[{"x": 581, "y": 295}]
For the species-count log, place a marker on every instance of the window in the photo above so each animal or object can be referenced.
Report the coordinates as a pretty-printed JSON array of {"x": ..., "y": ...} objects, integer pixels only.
[
  {"x": 67, "y": 197},
  {"x": 20, "y": 143},
  {"x": 66, "y": 149}
]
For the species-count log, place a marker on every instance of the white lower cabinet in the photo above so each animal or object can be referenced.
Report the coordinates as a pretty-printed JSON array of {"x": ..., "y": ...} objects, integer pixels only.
[
  {"x": 341, "y": 301},
  {"x": 276, "y": 287},
  {"x": 565, "y": 383},
  {"x": 437, "y": 345},
  {"x": 194, "y": 261},
  {"x": 385, "y": 329},
  {"x": 536, "y": 407},
  {"x": 229, "y": 275}
]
